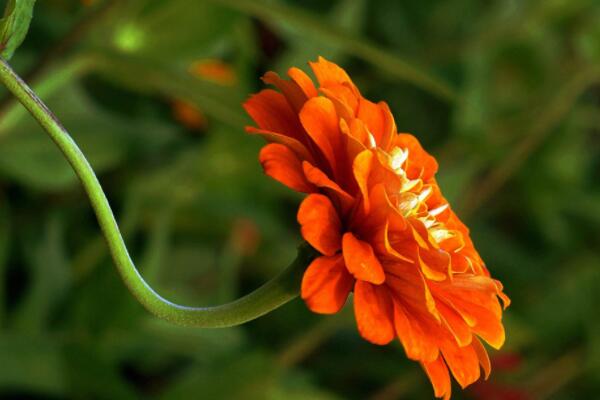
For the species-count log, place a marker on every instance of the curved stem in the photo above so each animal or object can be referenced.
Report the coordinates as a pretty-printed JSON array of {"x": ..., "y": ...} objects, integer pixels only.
[{"x": 278, "y": 291}]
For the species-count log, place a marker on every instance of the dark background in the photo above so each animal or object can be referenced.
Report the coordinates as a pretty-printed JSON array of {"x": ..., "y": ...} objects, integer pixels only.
[{"x": 504, "y": 93}]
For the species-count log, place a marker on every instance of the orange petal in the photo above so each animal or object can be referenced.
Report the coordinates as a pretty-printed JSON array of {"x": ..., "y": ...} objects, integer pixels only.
[
  {"x": 420, "y": 233},
  {"x": 372, "y": 115},
  {"x": 473, "y": 303},
  {"x": 389, "y": 248},
  {"x": 271, "y": 112},
  {"x": 484, "y": 359},
  {"x": 434, "y": 263},
  {"x": 326, "y": 284},
  {"x": 303, "y": 80},
  {"x": 505, "y": 299},
  {"x": 437, "y": 371},
  {"x": 408, "y": 284},
  {"x": 292, "y": 92},
  {"x": 463, "y": 363},
  {"x": 328, "y": 73},
  {"x": 420, "y": 163},
  {"x": 481, "y": 313},
  {"x": 389, "y": 126},
  {"x": 374, "y": 312},
  {"x": 318, "y": 178},
  {"x": 417, "y": 340},
  {"x": 491, "y": 330},
  {"x": 345, "y": 98},
  {"x": 358, "y": 130},
  {"x": 274, "y": 137},
  {"x": 320, "y": 120},
  {"x": 459, "y": 262},
  {"x": 362, "y": 169},
  {"x": 380, "y": 211},
  {"x": 320, "y": 224},
  {"x": 483, "y": 309},
  {"x": 455, "y": 324},
  {"x": 282, "y": 164},
  {"x": 361, "y": 260}
]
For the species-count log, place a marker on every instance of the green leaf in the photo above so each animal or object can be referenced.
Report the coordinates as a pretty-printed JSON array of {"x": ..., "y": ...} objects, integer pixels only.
[{"x": 14, "y": 25}]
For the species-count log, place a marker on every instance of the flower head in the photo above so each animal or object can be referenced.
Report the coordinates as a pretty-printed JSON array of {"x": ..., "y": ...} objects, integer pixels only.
[
  {"x": 215, "y": 71},
  {"x": 376, "y": 215}
]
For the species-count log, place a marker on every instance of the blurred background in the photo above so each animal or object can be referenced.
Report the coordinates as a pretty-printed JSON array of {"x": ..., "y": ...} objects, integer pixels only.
[{"x": 505, "y": 93}]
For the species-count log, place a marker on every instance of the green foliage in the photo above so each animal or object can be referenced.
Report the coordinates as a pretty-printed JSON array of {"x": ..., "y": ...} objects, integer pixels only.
[
  {"x": 517, "y": 143},
  {"x": 14, "y": 25}
]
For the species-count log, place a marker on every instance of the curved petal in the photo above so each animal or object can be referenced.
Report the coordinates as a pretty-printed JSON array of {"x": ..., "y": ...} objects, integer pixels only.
[
  {"x": 361, "y": 168},
  {"x": 282, "y": 164},
  {"x": 318, "y": 178},
  {"x": 434, "y": 263},
  {"x": 361, "y": 260},
  {"x": 389, "y": 126},
  {"x": 481, "y": 313},
  {"x": 320, "y": 224},
  {"x": 345, "y": 96},
  {"x": 326, "y": 285},
  {"x": 463, "y": 363},
  {"x": 420, "y": 164},
  {"x": 409, "y": 285},
  {"x": 374, "y": 312},
  {"x": 379, "y": 120},
  {"x": 303, "y": 81},
  {"x": 343, "y": 109},
  {"x": 359, "y": 132},
  {"x": 381, "y": 211},
  {"x": 490, "y": 329},
  {"x": 328, "y": 73},
  {"x": 274, "y": 137},
  {"x": 437, "y": 371},
  {"x": 389, "y": 249},
  {"x": 320, "y": 120},
  {"x": 272, "y": 112},
  {"x": 484, "y": 359},
  {"x": 418, "y": 341},
  {"x": 455, "y": 324},
  {"x": 289, "y": 88}
]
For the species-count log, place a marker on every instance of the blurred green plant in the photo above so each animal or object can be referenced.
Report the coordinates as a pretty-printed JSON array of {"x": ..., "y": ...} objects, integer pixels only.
[
  {"x": 278, "y": 291},
  {"x": 515, "y": 68}
]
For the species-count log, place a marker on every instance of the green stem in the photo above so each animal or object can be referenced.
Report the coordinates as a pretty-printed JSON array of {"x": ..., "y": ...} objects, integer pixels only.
[{"x": 278, "y": 291}]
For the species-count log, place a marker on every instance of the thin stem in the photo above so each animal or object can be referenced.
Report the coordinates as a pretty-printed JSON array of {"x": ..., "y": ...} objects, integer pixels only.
[{"x": 278, "y": 291}]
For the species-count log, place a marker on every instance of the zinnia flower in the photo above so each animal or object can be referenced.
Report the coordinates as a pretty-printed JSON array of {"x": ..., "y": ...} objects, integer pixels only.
[
  {"x": 375, "y": 213},
  {"x": 188, "y": 114},
  {"x": 213, "y": 70}
]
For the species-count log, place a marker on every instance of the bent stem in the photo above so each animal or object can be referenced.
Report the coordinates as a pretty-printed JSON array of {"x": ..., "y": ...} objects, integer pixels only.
[{"x": 278, "y": 291}]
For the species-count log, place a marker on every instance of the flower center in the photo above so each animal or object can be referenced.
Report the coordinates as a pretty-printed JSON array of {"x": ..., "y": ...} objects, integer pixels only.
[{"x": 413, "y": 195}]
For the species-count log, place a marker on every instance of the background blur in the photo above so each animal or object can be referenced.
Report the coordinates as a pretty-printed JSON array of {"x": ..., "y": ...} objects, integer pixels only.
[{"x": 506, "y": 94}]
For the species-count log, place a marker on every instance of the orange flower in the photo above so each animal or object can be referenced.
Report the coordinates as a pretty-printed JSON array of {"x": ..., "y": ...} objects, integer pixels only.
[
  {"x": 214, "y": 70},
  {"x": 188, "y": 114},
  {"x": 377, "y": 216}
]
